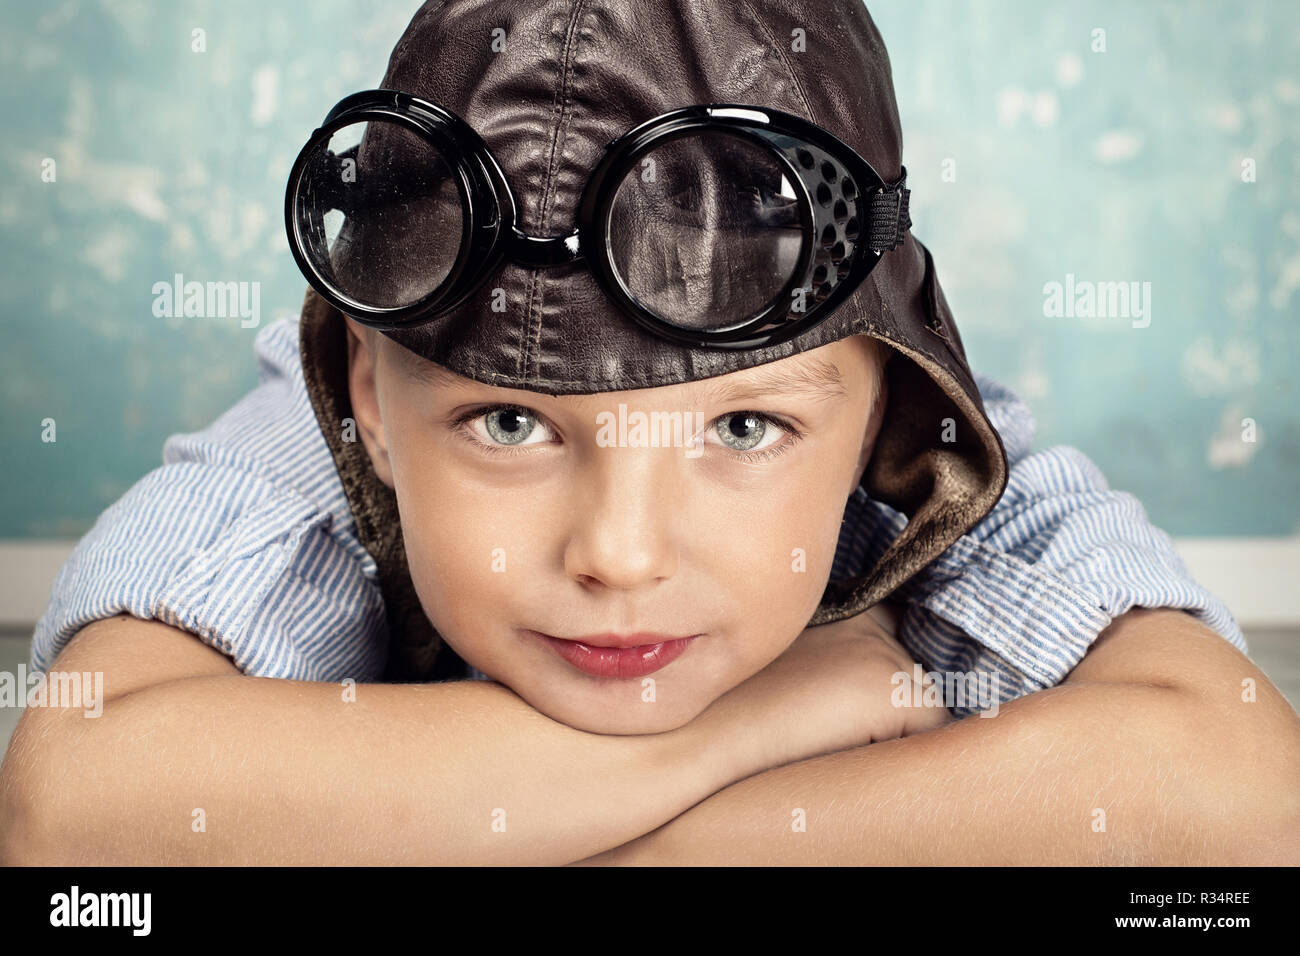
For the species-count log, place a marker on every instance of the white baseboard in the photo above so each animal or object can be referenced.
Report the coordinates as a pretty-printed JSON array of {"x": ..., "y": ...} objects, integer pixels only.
[
  {"x": 1258, "y": 578},
  {"x": 27, "y": 572}
]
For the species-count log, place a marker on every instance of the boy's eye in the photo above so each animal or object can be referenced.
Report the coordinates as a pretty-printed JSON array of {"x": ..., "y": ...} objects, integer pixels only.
[
  {"x": 746, "y": 431},
  {"x": 509, "y": 425},
  {"x": 506, "y": 427}
]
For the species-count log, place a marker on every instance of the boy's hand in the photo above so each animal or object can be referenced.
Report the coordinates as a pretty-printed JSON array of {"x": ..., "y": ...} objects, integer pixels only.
[{"x": 831, "y": 690}]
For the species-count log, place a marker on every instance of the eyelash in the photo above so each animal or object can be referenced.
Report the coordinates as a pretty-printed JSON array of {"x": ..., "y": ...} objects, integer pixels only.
[{"x": 460, "y": 427}]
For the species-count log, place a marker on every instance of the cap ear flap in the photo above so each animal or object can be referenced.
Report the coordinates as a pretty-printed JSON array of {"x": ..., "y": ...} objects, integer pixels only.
[
  {"x": 937, "y": 460},
  {"x": 414, "y": 644}
]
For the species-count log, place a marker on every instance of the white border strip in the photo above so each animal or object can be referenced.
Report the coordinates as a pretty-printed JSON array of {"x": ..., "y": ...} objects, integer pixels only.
[
  {"x": 1258, "y": 578},
  {"x": 27, "y": 573}
]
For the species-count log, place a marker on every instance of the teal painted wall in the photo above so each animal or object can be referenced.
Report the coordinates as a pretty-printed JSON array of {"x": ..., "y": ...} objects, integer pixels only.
[{"x": 1032, "y": 157}]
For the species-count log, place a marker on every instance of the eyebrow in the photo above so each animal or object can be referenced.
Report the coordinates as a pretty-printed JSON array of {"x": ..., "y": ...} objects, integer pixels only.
[{"x": 815, "y": 379}]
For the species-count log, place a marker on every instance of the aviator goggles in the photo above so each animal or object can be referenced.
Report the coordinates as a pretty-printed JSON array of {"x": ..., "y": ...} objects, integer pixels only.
[{"x": 718, "y": 225}]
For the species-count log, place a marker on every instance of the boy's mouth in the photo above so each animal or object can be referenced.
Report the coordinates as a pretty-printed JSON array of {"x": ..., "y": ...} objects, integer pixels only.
[{"x": 621, "y": 656}]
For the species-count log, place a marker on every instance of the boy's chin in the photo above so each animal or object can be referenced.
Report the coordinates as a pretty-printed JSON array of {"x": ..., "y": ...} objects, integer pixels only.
[{"x": 646, "y": 718}]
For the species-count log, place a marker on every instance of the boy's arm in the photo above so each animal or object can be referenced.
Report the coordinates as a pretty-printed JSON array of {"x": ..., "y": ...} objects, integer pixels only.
[
  {"x": 192, "y": 762},
  {"x": 1152, "y": 751}
]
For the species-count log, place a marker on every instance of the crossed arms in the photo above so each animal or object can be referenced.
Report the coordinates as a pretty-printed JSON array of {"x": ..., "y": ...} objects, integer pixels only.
[{"x": 1147, "y": 753}]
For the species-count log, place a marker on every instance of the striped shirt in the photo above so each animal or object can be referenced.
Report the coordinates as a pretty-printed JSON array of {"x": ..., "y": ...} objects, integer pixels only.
[{"x": 244, "y": 537}]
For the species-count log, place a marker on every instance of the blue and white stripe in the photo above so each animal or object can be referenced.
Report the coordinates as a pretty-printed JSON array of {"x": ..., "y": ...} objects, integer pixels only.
[
  {"x": 244, "y": 537},
  {"x": 1025, "y": 592}
]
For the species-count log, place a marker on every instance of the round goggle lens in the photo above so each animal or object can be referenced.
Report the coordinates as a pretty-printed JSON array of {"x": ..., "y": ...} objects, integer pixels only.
[
  {"x": 382, "y": 213},
  {"x": 705, "y": 230}
]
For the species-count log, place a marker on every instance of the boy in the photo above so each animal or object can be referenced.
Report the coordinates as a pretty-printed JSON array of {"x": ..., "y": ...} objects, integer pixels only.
[{"x": 442, "y": 488}]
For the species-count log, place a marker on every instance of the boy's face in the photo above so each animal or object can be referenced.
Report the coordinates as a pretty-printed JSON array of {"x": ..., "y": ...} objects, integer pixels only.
[{"x": 527, "y": 515}]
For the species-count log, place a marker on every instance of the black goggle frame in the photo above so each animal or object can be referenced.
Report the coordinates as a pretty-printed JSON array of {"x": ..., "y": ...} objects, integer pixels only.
[{"x": 849, "y": 215}]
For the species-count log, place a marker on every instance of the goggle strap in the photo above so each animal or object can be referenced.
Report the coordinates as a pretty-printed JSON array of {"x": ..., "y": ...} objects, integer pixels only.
[{"x": 887, "y": 216}]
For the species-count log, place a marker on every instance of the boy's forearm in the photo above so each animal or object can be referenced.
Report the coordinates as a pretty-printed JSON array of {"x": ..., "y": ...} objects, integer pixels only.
[
  {"x": 1077, "y": 774},
  {"x": 240, "y": 770}
]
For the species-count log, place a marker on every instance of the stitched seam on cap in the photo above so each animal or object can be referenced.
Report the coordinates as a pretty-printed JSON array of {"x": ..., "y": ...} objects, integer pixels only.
[
  {"x": 560, "y": 102},
  {"x": 562, "y": 94},
  {"x": 784, "y": 62}
]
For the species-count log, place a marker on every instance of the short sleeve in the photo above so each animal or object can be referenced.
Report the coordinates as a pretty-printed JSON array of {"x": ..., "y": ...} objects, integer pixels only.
[
  {"x": 1025, "y": 592},
  {"x": 243, "y": 537}
]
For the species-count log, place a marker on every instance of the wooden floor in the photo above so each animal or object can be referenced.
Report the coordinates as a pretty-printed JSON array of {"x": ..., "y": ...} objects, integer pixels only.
[{"x": 1277, "y": 652}]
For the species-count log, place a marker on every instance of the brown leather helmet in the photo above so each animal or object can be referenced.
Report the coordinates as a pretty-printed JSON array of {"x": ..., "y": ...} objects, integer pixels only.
[{"x": 547, "y": 85}]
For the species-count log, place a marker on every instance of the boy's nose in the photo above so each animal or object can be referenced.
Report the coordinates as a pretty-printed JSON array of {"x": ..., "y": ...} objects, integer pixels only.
[{"x": 625, "y": 528}]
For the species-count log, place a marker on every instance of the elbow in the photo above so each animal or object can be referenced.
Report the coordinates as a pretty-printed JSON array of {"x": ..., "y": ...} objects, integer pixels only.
[
  {"x": 28, "y": 786},
  {"x": 1270, "y": 837},
  {"x": 15, "y": 829},
  {"x": 1261, "y": 793},
  {"x": 1284, "y": 848},
  {"x": 1278, "y": 813}
]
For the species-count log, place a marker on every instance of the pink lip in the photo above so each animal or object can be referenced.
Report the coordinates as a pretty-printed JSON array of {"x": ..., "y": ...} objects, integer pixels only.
[{"x": 619, "y": 655}]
